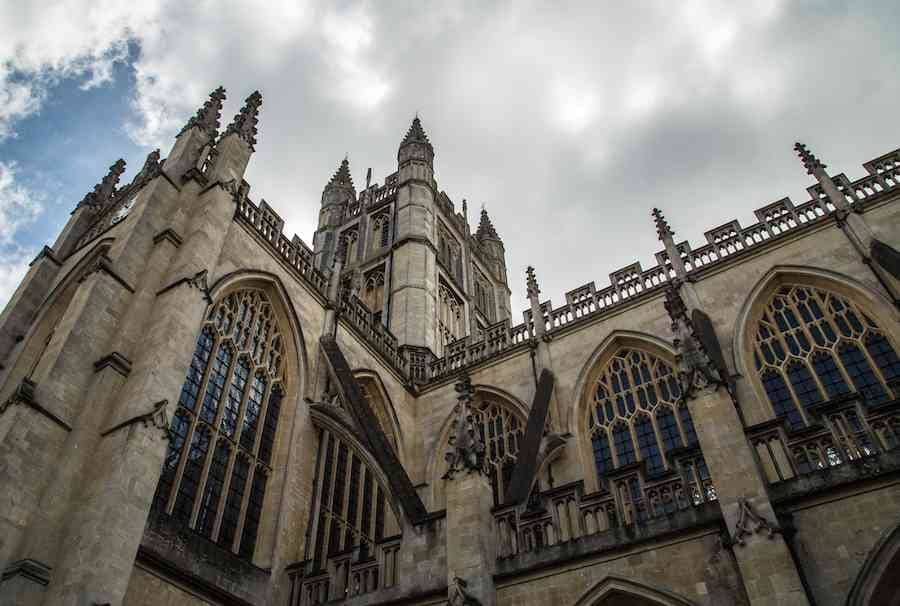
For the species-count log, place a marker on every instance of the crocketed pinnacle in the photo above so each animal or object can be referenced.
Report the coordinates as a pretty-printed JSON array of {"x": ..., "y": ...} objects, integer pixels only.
[
  {"x": 342, "y": 177},
  {"x": 485, "y": 227},
  {"x": 415, "y": 134},
  {"x": 104, "y": 190},
  {"x": 810, "y": 162},
  {"x": 207, "y": 117},
  {"x": 244, "y": 123},
  {"x": 532, "y": 289},
  {"x": 662, "y": 226}
]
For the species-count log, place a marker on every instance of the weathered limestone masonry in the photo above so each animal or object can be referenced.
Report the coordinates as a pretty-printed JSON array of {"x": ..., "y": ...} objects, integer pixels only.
[{"x": 197, "y": 409}]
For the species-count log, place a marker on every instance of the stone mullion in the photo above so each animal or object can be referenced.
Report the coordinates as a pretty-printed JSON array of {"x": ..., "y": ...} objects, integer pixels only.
[
  {"x": 242, "y": 407},
  {"x": 261, "y": 420},
  {"x": 326, "y": 517},
  {"x": 248, "y": 481},
  {"x": 195, "y": 420},
  {"x": 215, "y": 437}
]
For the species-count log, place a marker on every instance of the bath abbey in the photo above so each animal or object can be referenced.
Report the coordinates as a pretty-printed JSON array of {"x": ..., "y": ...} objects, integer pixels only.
[{"x": 196, "y": 408}]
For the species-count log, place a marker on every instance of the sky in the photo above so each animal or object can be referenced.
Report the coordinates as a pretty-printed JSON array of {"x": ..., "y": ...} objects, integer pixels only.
[{"x": 569, "y": 122}]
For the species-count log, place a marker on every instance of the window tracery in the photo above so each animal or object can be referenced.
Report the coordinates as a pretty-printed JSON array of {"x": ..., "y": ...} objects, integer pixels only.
[
  {"x": 813, "y": 345},
  {"x": 223, "y": 432},
  {"x": 373, "y": 292},
  {"x": 451, "y": 320},
  {"x": 352, "y": 509},
  {"x": 350, "y": 241},
  {"x": 635, "y": 414},
  {"x": 501, "y": 431},
  {"x": 381, "y": 231}
]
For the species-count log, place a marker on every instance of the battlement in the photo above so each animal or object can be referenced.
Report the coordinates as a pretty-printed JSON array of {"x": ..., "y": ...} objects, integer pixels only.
[{"x": 775, "y": 221}]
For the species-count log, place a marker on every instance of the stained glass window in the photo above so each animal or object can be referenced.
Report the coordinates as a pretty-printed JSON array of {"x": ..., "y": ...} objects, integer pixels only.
[{"x": 216, "y": 468}]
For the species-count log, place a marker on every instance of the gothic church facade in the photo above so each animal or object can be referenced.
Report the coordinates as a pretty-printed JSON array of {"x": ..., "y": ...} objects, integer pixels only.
[{"x": 197, "y": 409}]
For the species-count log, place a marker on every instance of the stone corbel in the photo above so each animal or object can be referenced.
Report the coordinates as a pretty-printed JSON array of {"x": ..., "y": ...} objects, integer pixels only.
[
  {"x": 458, "y": 595},
  {"x": 199, "y": 281},
  {"x": 24, "y": 395},
  {"x": 156, "y": 417},
  {"x": 103, "y": 264},
  {"x": 749, "y": 522}
]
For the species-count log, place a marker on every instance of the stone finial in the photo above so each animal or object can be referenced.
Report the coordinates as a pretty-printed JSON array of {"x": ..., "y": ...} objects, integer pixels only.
[
  {"x": 415, "y": 134},
  {"x": 244, "y": 123},
  {"x": 485, "y": 227},
  {"x": 342, "y": 176},
  {"x": 104, "y": 190},
  {"x": 151, "y": 167},
  {"x": 459, "y": 595},
  {"x": 207, "y": 117},
  {"x": 466, "y": 446},
  {"x": 810, "y": 162},
  {"x": 699, "y": 360},
  {"x": 532, "y": 290},
  {"x": 662, "y": 226}
]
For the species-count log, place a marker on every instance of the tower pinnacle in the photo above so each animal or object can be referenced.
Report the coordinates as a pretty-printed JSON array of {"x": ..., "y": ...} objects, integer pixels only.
[
  {"x": 810, "y": 162},
  {"x": 415, "y": 134},
  {"x": 485, "y": 227},
  {"x": 207, "y": 117},
  {"x": 104, "y": 190},
  {"x": 342, "y": 177},
  {"x": 662, "y": 226},
  {"x": 244, "y": 123}
]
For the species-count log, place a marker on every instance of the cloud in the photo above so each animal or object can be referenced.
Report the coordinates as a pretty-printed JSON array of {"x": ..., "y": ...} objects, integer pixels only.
[
  {"x": 569, "y": 121},
  {"x": 19, "y": 207}
]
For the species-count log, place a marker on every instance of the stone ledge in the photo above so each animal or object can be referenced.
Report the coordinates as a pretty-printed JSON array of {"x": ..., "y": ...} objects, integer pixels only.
[
  {"x": 877, "y": 466},
  {"x": 32, "y": 570},
  {"x": 188, "y": 558},
  {"x": 622, "y": 538}
]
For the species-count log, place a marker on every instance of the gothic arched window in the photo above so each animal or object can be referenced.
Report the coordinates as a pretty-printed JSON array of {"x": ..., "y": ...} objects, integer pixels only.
[
  {"x": 635, "y": 415},
  {"x": 381, "y": 231},
  {"x": 219, "y": 458},
  {"x": 451, "y": 321},
  {"x": 373, "y": 293},
  {"x": 501, "y": 431},
  {"x": 350, "y": 239},
  {"x": 352, "y": 508},
  {"x": 813, "y": 345}
]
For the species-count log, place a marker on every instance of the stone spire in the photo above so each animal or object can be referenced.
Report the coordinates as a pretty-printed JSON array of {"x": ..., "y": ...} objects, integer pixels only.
[
  {"x": 415, "y": 134},
  {"x": 662, "y": 226},
  {"x": 342, "y": 176},
  {"x": 104, "y": 190},
  {"x": 466, "y": 446},
  {"x": 485, "y": 227},
  {"x": 810, "y": 162},
  {"x": 151, "y": 168},
  {"x": 666, "y": 236},
  {"x": 207, "y": 117},
  {"x": 244, "y": 123},
  {"x": 534, "y": 298}
]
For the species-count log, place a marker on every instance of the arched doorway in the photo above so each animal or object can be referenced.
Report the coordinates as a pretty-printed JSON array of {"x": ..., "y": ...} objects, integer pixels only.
[
  {"x": 615, "y": 591},
  {"x": 878, "y": 581}
]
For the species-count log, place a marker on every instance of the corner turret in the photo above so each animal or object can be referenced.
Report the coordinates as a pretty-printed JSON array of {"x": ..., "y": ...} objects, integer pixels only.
[
  {"x": 338, "y": 193},
  {"x": 415, "y": 158},
  {"x": 491, "y": 246}
]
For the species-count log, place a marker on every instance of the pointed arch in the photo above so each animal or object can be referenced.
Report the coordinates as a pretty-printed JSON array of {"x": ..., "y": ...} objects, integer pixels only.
[
  {"x": 273, "y": 285},
  {"x": 616, "y": 591},
  {"x": 226, "y": 465},
  {"x": 511, "y": 408},
  {"x": 752, "y": 311},
  {"x": 48, "y": 315},
  {"x": 878, "y": 580},
  {"x": 650, "y": 348},
  {"x": 383, "y": 408}
]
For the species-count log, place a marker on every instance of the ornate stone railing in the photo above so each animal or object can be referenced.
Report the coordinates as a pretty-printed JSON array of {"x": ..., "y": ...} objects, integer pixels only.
[
  {"x": 629, "y": 497},
  {"x": 346, "y": 575},
  {"x": 773, "y": 221},
  {"x": 263, "y": 220},
  {"x": 843, "y": 430},
  {"x": 373, "y": 331}
]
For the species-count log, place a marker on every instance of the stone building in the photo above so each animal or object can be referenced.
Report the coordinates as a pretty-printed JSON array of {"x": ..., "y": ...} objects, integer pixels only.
[{"x": 198, "y": 409}]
